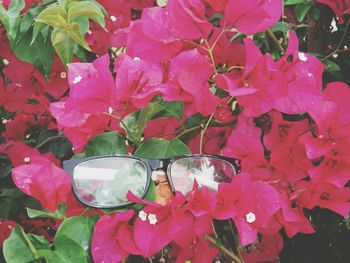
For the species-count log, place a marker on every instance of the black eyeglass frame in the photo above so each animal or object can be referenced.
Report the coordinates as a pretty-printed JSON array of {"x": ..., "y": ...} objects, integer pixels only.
[{"x": 151, "y": 166}]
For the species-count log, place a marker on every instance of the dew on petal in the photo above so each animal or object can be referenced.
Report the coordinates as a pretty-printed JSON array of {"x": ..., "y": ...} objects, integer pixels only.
[
  {"x": 77, "y": 79},
  {"x": 136, "y": 58},
  {"x": 302, "y": 56}
]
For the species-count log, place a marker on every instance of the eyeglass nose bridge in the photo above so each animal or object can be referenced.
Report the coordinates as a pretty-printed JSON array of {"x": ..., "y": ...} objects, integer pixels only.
[{"x": 156, "y": 164}]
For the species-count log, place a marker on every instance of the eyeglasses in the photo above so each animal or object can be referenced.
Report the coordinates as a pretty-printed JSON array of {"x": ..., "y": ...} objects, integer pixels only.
[{"x": 104, "y": 181}]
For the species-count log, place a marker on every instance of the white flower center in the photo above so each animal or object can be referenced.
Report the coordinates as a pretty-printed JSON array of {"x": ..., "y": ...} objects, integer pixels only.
[
  {"x": 152, "y": 219},
  {"x": 110, "y": 110},
  {"x": 113, "y": 18},
  {"x": 77, "y": 79},
  {"x": 63, "y": 75},
  {"x": 136, "y": 58},
  {"x": 143, "y": 215},
  {"x": 5, "y": 61},
  {"x": 250, "y": 217},
  {"x": 26, "y": 160}
]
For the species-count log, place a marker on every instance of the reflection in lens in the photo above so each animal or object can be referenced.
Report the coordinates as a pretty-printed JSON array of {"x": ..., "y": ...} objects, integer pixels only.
[
  {"x": 207, "y": 171},
  {"x": 106, "y": 181}
]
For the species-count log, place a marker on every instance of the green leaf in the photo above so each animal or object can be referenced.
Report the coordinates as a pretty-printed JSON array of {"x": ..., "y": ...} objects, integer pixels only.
[
  {"x": 75, "y": 33},
  {"x": 53, "y": 10},
  {"x": 156, "y": 148},
  {"x": 79, "y": 229},
  {"x": 39, "y": 242},
  {"x": 34, "y": 213},
  {"x": 295, "y": 2},
  {"x": 63, "y": 45},
  {"x": 280, "y": 26},
  {"x": 38, "y": 53},
  {"x": 171, "y": 109},
  {"x": 5, "y": 166},
  {"x": 331, "y": 66},
  {"x": 16, "y": 248},
  {"x": 109, "y": 143},
  {"x": 301, "y": 11},
  {"x": 66, "y": 251},
  {"x": 85, "y": 9},
  {"x": 28, "y": 19},
  {"x": 10, "y": 18},
  {"x": 315, "y": 13}
]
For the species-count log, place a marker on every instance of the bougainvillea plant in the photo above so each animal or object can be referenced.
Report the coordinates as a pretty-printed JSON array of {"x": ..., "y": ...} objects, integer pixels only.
[{"x": 265, "y": 82}]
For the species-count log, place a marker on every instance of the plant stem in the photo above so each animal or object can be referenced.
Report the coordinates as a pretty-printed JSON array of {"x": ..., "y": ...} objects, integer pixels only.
[
  {"x": 49, "y": 139},
  {"x": 223, "y": 249},
  {"x": 237, "y": 244},
  {"x": 339, "y": 45},
  {"x": 275, "y": 40},
  {"x": 30, "y": 244},
  {"x": 203, "y": 133},
  {"x": 210, "y": 52}
]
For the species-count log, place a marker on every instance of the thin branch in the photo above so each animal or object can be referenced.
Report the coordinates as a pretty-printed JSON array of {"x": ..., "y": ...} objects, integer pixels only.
[
  {"x": 339, "y": 45},
  {"x": 49, "y": 139},
  {"x": 223, "y": 249},
  {"x": 203, "y": 133},
  {"x": 275, "y": 40}
]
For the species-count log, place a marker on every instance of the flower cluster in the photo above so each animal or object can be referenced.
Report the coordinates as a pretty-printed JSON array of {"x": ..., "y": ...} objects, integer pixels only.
[{"x": 184, "y": 71}]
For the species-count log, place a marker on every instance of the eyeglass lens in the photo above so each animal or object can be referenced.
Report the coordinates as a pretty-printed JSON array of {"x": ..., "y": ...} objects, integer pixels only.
[
  {"x": 106, "y": 181},
  {"x": 207, "y": 171}
]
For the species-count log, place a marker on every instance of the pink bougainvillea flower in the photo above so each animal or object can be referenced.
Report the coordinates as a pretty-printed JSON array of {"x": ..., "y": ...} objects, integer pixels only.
[
  {"x": 114, "y": 35},
  {"x": 57, "y": 85},
  {"x": 333, "y": 123},
  {"x": 339, "y": 7},
  {"x": 139, "y": 4},
  {"x": 199, "y": 251},
  {"x": 43, "y": 180},
  {"x": 6, "y": 227},
  {"x": 267, "y": 250},
  {"x": 84, "y": 113},
  {"x": 251, "y": 205},
  {"x": 187, "y": 19},
  {"x": 137, "y": 82},
  {"x": 326, "y": 188},
  {"x": 304, "y": 77},
  {"x": 292, "y": 218},
  {"x": 287, "y": 153},
  {"x": 252, "y": 16},
  {"x": 140, "y": 45},
  {"x": 161, "y": 128},
  {"x": 258, "y": 85},
  {"x": 188, "y": 77},
  {"x": 154, "y": 219},
  {"x": 112, "y": 240},
  {"x": 217, "y": 6},
  {"x": 245, "y": 145},
  {"x": 18, "y": 152},
  {"x": 213, "y": 140}
]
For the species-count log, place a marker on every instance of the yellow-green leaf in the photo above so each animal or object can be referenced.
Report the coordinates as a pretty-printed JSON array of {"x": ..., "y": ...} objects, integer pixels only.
[
  {"x": 56, "y": 21},
  {"x": 53, "y": 10},
  {"x": 63, "y": 45},
  {"x": 87, "y": 9},
  {"x": 75, "y": 33}
]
